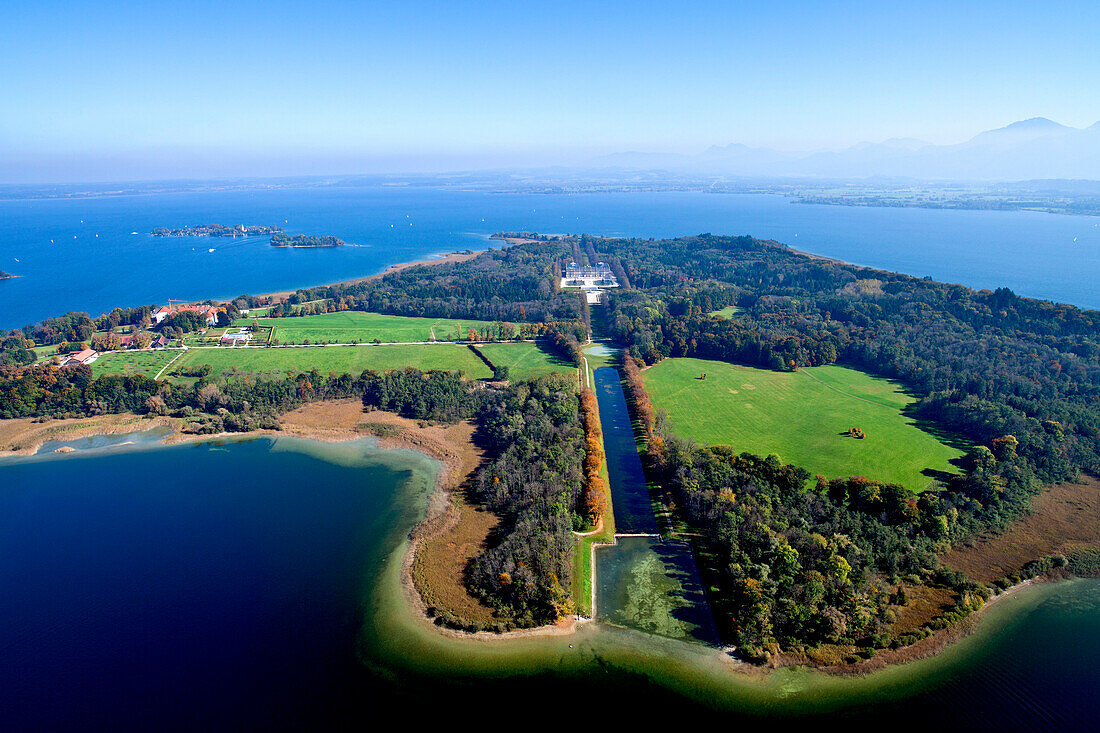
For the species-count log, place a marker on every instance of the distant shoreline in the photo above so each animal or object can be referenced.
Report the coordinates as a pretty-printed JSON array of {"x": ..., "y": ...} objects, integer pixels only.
[{"x": 446, "y": 259}]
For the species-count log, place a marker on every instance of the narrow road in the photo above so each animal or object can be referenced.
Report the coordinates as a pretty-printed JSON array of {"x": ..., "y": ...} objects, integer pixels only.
[{"x": 183, "y": 351}]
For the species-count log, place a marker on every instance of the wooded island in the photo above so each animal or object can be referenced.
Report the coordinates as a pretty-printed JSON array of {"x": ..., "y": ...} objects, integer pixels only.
[
  {"x": 303, "y": 240},
  {"x": 217, "y": 230}
]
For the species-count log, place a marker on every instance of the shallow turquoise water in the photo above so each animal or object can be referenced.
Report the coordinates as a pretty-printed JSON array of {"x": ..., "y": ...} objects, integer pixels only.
[
  {"x": 256, "y": 585},
  {"x": 653, "y": 586}
]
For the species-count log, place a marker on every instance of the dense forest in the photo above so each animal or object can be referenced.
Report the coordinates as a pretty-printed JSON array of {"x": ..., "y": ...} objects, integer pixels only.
[
  {"x": 209, "y": 405},
  {"x": 516, "y": 284},
  {"x": 986, "y": 364},
  {"x": 799, "y": 561},
  {"x": 304, "y": 240},
  {"x": 535, "y": 484},
  {"x": 803, "y": 563}
]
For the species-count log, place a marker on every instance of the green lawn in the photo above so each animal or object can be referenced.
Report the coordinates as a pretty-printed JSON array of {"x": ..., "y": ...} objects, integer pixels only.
[
  {"x": 524, "y": 360},
  {"x": 339, "y": 359},
  {"x": 728, "y": 312},
  {"x": 44, "y": 353},
  {"x": 133, "y": 362},
  {"x": 361, "y": 327},
  {"x": 801, "y": 416}
]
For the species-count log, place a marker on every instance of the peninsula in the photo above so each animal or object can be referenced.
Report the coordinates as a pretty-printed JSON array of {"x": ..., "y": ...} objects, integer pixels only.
[
  {"x": 778, "y": 498},
  {"x": 6, "y": 275},
  {"x": 217, "y": 230}
]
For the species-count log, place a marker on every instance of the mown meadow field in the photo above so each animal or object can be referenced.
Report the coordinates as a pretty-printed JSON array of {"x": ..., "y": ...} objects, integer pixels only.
[
  {"x": 524, "y": 360},
  {"x": 338, "y": 359},
  {"x": 803, "y": 417},
  {"x": 362, "y": 327},
  {"x": 127, "y": 363}
]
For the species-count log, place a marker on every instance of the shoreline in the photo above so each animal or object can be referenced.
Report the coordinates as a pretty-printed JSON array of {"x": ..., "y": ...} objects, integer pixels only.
[
  {"x": 925, "y": 648},
  {"x": 443, "y": 259},
  {"x": 336, "y": 421},
  {"x": 327, "y": 422}
]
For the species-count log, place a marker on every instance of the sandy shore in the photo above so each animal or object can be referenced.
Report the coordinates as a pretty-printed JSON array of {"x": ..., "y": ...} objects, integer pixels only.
[
  {"x": 24, "y": 436},
  {"x": 453, "y": 447},
  {"x": 329, "y": 421}
]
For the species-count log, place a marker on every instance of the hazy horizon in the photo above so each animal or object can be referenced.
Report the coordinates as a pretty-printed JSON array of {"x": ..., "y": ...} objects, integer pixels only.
[{"x": 126, "y": 91}]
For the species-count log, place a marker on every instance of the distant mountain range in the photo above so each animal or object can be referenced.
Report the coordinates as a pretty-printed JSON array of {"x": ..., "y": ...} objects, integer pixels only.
[{"x": 1029, "y": 149}]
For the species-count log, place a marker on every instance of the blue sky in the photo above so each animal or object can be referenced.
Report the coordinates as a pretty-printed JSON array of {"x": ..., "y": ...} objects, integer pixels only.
[{"x": 120, "y": 90}]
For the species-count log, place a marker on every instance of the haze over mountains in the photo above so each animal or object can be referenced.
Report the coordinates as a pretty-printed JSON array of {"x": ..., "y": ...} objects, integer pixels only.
[{"x": 1028, "y": 149}]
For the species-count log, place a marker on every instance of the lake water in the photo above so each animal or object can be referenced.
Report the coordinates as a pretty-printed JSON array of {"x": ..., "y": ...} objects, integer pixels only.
[
  {"x": 1034, "y": 254},
  {"x": 256, "y": 585}
]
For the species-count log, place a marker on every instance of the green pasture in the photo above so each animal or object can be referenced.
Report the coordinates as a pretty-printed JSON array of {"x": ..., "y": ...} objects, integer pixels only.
[
  {"x": 801, "y": 416},
  {"x": 361, "y": 327},
  {"x": 524, "y": 360},
  {"x": 133, "y": 362},
  {"x": 728, "y": 312},
  {"x": 338, "y": 359}
]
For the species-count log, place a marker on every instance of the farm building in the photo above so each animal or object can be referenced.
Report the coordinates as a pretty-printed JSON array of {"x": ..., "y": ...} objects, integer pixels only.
[
  {"x": 87, "y": 356},
  {"x": 129, "y": 341}
]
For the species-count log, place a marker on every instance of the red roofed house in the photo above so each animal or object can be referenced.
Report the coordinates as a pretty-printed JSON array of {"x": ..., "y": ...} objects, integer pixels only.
[
  {"x": 210, "y": 311},
  {"x": 161, "y": 313},
  {"x": 87, "y": 356}
]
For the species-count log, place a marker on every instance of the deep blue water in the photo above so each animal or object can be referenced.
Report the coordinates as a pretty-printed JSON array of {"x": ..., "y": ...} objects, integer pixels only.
[
  {"x": 228, "y": 588},
  {"x": 189, "y": 587},
  {"x": 1032, "y": 253}
]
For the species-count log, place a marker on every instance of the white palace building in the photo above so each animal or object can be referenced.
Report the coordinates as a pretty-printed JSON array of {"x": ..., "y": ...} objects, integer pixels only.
[{"x": 592, "y": 280}]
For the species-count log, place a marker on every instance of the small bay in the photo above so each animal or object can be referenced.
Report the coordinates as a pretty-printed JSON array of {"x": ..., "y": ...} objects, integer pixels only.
[{"x": 256, "y": 585}]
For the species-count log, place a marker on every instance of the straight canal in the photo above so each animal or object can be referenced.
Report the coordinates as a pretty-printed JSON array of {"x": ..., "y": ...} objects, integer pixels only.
[{"x": 643, "y": 582}]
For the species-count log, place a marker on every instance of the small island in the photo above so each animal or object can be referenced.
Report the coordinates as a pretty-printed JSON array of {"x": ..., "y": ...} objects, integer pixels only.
[
  {"x": 303, "y": 240},
  {"x": 217, "y": 230},
  {"x": 6, "y": 275}
]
